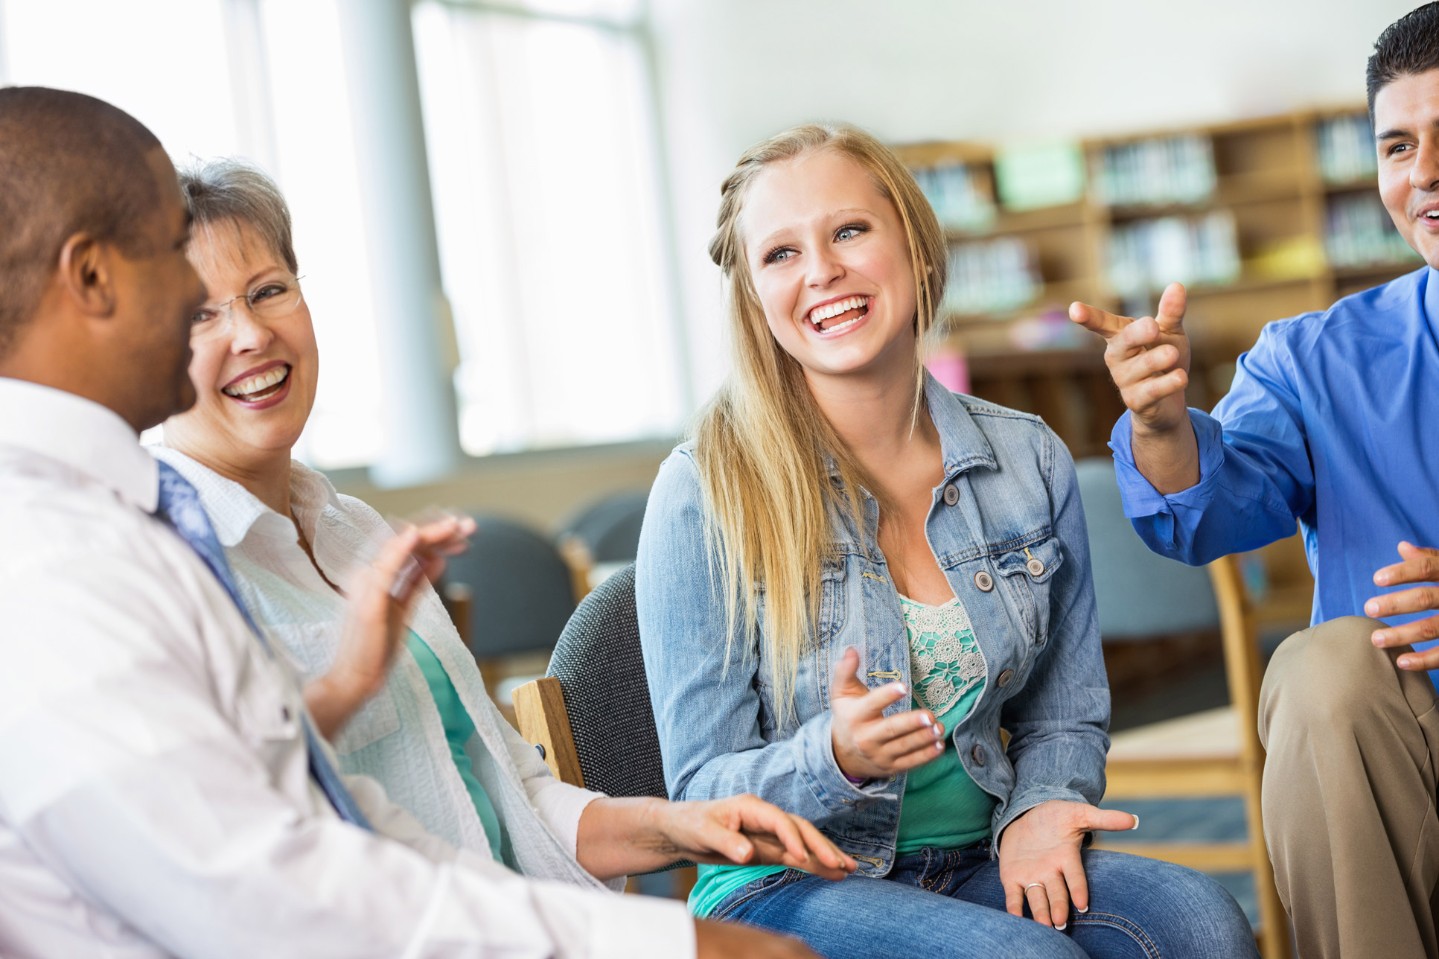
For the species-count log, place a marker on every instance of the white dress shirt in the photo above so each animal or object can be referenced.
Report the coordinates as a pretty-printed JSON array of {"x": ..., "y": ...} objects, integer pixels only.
[
  {"x": 155, "y": 798},
  {"x": 397, "y": 737}
]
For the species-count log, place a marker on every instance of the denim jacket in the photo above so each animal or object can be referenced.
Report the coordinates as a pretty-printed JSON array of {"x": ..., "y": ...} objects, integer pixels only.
[{"x": 1007, "y": 528}]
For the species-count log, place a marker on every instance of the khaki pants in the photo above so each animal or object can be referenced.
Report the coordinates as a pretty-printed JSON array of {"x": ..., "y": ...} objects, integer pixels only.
[{"x": 1349, "y": 794}]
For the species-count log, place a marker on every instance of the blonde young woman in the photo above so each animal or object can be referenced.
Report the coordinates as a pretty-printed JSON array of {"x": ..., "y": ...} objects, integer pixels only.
[
  {"x": 415, "y": 718},
  {"x": 851, "y": 580}
]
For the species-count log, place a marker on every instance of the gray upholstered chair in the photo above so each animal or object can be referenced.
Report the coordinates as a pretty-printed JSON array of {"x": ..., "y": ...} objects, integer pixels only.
[
  {"x": 602, "y": 537},
  {"x": 590, "y": 715},
  {"x": 519, "y": 588}
]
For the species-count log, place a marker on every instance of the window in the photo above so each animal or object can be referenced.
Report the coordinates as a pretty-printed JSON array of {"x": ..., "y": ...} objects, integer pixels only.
[{"x": 546, "y": 181}]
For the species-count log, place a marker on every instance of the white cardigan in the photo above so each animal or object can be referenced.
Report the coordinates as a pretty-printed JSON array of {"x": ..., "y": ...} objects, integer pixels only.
[{"x": 397, "y": 737}]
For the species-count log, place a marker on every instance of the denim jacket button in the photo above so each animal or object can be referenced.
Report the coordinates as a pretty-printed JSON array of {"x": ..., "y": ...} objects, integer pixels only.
[
  {"x": 951, "y": 495},
  {"x": 977, "y": 754},
  {"x": 984, "y": 581},
  {"x": 1005, "y": 677},
  {"x": 1035, "y": 567}
]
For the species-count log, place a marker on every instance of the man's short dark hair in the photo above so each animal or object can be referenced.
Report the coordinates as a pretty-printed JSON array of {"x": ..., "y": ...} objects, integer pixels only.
[
  {"x": 1407, "y": 46},
  {"x": 69, "y": 163}
]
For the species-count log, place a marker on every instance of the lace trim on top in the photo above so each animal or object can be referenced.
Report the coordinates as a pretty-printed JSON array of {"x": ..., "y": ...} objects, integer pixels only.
[{"x": 944, "y": 657}]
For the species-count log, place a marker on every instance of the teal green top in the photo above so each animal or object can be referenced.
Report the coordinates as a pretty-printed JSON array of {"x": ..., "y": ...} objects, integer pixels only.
[
  {"x": 459, "y": 728},
  {"x": 942, "y": 805}
]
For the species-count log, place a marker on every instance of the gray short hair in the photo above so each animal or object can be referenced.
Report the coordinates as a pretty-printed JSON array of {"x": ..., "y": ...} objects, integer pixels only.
[{"x": 228, "y": 189}]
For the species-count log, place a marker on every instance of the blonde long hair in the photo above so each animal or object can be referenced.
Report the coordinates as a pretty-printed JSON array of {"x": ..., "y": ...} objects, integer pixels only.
[{"x": 763, "y": 447}]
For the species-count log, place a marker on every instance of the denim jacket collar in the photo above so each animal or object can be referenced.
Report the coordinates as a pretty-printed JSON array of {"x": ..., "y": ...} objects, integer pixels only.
[{"x": 962, "y": 444}]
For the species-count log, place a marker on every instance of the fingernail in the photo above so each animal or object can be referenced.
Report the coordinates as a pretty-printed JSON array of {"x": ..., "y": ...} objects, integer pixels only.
[
  {"x": 1061, "y": 927},
  {"x": 939, "y": 746},
  {"x": 1082, "y": 911},
  {"x": 938, "y": 733},
  {"x": 899, "y": 687},
  {"x": 1372, "y": 607},
  {"x": 1136, "y": 823},
  {"x": 1379, "y": 637},
  {"x": 924, "y": 718},
  {"x": 1404, "y": 662}
]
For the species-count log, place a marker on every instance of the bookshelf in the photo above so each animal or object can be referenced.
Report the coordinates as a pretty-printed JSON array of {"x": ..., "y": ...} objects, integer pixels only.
[{"x": 1261, "y": 219}]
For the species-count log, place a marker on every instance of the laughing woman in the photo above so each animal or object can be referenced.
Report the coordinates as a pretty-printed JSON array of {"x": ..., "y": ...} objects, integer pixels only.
[
  {"x": 417, "y": 719},
  {"x": 852, "y": 580}
]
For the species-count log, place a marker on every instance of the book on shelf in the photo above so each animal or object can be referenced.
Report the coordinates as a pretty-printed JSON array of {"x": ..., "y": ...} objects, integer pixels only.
[
  {"x": 990, "y": 276},
  {"x": 959, "y": 194},
  {"x": 1358, "y": 232},
  {"x": 1148, "y": 254},
  {"x": 1346, "y": 149},
  {"x": 1176, "y": 169}
]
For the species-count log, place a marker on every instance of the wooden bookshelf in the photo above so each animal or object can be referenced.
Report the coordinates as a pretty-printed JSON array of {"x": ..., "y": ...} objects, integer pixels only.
[
  {"x": 1262, "y": 218},
  {"x": 1267, "y": 176}
]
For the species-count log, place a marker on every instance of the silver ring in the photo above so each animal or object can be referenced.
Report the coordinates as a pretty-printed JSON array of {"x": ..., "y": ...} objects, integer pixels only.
[{"x": 1032, "y": 885}]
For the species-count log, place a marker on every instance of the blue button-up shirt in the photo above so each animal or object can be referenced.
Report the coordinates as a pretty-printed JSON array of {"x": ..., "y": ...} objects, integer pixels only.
[{"x": 1333, "y": 419}]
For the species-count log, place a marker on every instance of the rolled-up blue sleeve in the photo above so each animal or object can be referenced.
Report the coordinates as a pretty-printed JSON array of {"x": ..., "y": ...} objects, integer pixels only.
[{"x": 1255, "y": 473}]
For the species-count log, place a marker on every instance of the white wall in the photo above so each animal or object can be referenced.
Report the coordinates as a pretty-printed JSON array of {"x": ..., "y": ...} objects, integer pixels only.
[{"x": 734, "y": 71}]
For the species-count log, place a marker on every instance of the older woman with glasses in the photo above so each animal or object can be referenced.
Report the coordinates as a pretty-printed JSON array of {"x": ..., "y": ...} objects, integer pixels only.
[{"x": 417, "y": 719}]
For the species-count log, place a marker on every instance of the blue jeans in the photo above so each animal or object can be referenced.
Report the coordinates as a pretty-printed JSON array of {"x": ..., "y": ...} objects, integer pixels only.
[{"x": 949, "y": 903}]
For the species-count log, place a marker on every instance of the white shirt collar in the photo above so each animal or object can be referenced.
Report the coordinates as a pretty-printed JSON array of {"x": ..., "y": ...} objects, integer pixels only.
[
  {"x": 83, "y": 435},
  {"x": 234, "y": 511}
]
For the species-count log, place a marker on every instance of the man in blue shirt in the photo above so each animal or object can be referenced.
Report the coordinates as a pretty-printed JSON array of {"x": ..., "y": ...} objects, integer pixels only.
[{"x": 1333, "y": 420}]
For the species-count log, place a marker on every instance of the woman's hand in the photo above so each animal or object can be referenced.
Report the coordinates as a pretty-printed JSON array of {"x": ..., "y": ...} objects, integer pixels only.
[
  {"x": 868, "y": 744},
  {"x": 381, "y": 596},
  {"x": 620, "y": 837},
  {"x": 1039, "y": 860},
  {"x": 746, "y": 830}
]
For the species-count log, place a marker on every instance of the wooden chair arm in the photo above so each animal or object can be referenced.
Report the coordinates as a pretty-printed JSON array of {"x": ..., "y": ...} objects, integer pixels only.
[{"x": 542, "y": 720}]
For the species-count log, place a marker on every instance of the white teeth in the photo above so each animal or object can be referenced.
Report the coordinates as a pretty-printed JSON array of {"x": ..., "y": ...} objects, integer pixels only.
[
  {"x": 842, "y": 326},
  {"x": 821, "y": 313},
  {"x": 1432, "y": 215},
  {"x": 256, "y": 384}
]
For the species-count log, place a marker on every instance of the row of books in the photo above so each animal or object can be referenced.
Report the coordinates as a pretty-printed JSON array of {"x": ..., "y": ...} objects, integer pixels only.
[
  {"x": 1346, "y": 149},
  {"x": 960, "y": 195},
  {"x": 1358, "y": 232},
  {"x": 990, "y": 276},
  {"x": 1178, "y": 169},
  {"x": 1148, "y": 254}
]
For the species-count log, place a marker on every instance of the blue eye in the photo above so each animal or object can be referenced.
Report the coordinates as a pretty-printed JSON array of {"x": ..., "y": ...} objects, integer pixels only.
[
  {"x": 850, "y": 231},
  {"x": 778, "y": 254},
  {"x": 201, "y": 317}
]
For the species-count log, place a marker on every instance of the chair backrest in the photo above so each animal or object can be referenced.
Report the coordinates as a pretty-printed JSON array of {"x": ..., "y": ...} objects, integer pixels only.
[
  {"x": 602, "y": 673},
  {"x": 1140, "y": 594},
  {"x": 520, "y": 589},
  {"x": 610, "y": 527}
]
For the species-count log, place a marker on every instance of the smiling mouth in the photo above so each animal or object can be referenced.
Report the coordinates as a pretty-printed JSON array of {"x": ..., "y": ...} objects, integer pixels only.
[
  {"x": 260, "y": 387},
  {"x": 839, "y": 315}
]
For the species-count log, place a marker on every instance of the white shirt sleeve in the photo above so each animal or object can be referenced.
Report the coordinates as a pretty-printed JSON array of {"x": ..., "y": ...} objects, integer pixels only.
[{"x": 151, "y": 757}]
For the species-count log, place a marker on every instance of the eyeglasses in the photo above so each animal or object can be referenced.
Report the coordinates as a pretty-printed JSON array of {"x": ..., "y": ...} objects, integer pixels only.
[{"x": 270, "y": 300}]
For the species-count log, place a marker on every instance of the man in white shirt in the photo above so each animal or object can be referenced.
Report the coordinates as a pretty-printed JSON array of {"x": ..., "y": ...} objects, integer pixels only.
[{"x": 156, "y": 790}]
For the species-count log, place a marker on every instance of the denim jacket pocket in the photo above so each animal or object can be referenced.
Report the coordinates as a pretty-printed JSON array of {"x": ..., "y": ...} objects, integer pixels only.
[{"x": 1027, "y": 570}]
